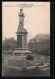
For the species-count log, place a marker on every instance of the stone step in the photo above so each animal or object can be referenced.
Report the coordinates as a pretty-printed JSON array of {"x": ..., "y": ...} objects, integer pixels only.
[
  {"x": 13, "y": 67},
  {"x": 20, "y": 68},
  {"x": 48, "y": 68},
  {"x": 31, "y": 67},
  {"x": 44, "y": 67}
]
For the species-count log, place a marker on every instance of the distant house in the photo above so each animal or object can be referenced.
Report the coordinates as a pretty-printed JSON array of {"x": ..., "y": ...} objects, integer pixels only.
[{"x": 40, "y": 43}]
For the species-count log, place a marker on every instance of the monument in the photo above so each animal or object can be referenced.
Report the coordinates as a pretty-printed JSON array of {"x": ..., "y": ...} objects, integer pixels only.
[
  {"x": 22, "y": 48},
  {"x": 18, "y": 59}
]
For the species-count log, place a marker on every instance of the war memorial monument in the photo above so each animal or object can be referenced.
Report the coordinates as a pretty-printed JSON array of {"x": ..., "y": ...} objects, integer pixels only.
[
  {"x": 17, "y": 60},
  {"x": 22, "y": 48}
]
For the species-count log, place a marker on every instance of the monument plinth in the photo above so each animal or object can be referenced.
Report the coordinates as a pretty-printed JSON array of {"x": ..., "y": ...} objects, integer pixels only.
[{"x": 22, "y": 47}]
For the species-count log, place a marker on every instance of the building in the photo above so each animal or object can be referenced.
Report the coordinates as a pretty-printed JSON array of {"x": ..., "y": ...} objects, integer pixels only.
[{"x": 40, "y": 43}]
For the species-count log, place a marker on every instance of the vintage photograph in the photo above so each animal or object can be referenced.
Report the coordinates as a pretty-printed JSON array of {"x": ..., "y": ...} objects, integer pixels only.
[{"x": 25, "y": 39}]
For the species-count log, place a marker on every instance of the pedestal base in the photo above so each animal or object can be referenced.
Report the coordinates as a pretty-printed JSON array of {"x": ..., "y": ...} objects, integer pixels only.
[
  {"x": 18, "y": 59},
  {"x": 21, "y": 51}
]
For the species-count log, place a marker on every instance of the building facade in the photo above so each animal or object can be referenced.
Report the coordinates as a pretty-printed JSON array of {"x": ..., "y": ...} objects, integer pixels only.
[{"x": 39, "y": 45}]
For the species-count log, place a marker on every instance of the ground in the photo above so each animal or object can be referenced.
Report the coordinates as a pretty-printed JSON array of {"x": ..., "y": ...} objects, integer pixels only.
[
  {"x": 40, "y": 70},
  {"x": 34, "y": 72}
]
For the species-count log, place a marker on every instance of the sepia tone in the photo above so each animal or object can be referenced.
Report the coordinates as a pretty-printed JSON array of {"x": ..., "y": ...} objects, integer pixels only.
[{"x": 29, "y": 53}]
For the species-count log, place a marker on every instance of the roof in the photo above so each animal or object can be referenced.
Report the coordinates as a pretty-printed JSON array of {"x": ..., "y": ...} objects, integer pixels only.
[{"x": 40, "y": 38}]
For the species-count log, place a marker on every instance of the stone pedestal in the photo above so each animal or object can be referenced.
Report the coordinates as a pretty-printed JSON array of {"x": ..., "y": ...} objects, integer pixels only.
[
  {"x": 22, "y": 48},
  {"x": 21, "y": 52}
]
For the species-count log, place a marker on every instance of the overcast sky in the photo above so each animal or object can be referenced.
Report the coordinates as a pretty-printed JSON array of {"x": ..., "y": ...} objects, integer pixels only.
[{"x": 36, "y": 21}]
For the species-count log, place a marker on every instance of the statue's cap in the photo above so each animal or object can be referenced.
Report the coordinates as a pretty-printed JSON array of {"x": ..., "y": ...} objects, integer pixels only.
[{"x": 21, "y": 9}]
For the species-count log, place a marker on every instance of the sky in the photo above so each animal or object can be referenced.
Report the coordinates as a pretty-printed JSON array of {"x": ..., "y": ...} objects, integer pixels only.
[{"x": 36, "y": 21}]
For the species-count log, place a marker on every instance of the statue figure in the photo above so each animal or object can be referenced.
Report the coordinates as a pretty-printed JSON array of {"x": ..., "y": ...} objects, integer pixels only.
[
  {"x": 21, "y": 20},
  {"x": 21, "y": 16}
]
